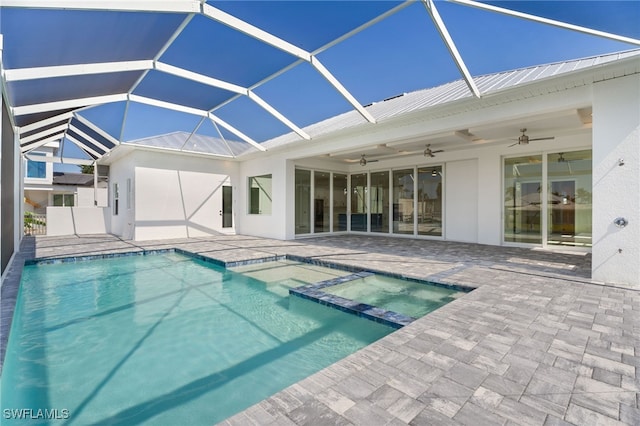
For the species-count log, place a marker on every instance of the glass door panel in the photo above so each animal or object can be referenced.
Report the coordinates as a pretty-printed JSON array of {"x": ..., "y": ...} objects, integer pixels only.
[
  {"x": 321, "y": 202},
  {"x": 522, "y": 199},
  {"x": 430, "y": 201},
  {"x": 339, "y": 202},
  {"x": 569, "y": 198},
  {"x": 379, "y": 201},
  {"x": 359, "y": 202},
  {"x": 403, "y": 201},
  {"x": 303, "y": 202},
  {"x": 227, "y": 203}
]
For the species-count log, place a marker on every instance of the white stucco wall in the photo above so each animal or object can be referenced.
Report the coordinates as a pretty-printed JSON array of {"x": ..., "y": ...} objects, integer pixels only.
[
  {"x": 77, "y": 220},
  {"x": 461, "y": 201},
  {"x": 86, "y": 197},
  {"x": 119, "y": 171},
  {"x": 177, "y": 196},
  {"x": 616, "y": 189},
  {"x": 272, "y": 225}
]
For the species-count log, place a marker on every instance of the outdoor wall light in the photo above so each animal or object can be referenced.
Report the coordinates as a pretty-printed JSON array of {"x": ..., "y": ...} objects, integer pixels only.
[
  {"x": 620, "y": 222},
  {"x": 620, "y": 161}
]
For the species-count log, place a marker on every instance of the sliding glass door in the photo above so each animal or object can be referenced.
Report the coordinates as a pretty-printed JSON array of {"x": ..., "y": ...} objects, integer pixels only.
[
  {"x": 303, "y": 201},
  {"x": 379, "y": 201},
  {"x": 523, "y": 199},
  {"x": 340, "y": 190},
  {"x": 557, "y": 215},
  {"x": 321, "y": 201},
  {"x": 569, "y": 198},
  {"x": 359, "y": 209},
  {"x": 403, "y": 183},
  {"x": 430, "y": 200}
]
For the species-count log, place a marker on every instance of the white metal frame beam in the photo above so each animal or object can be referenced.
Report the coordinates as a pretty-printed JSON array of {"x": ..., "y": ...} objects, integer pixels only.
[
  {"x": 253, "y": 31},
  {"x": 58, "y": 160},
  {"x": 147, "y": 65},
  {"x": 88, "y": 138},
  {"x": 38, "y": 144},
  {"x": 36, "y": 73},
  {"x": 268, "y": 38},
  {"x": 451, "y": 46},
  {"x": 82, "y": 146},
  {"x": 166, "y": 6},
  {"x": 43, "y": 133},
  {"x": 51, "y": 120},
  {"x": 96, "y": 129},
  {"x": 238, "y": 133},
  {"x": 67, "y": 104},
  {"x": 547, "y": 21},
  {"x": 341, "y": 89}
]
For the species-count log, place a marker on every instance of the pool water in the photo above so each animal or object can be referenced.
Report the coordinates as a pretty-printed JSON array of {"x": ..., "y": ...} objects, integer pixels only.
[
  {"x": 406, "y": 297},
  {"x": 282, "y": 275},
  {"x": 162, "y": 339}
]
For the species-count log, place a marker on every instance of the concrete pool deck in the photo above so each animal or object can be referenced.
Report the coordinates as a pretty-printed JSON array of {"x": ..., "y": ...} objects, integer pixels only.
[{"x": 536, "y": 343}]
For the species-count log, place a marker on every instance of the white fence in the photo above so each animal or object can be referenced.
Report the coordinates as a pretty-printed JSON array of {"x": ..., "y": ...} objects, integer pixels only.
[{"x": 77, "y": 220}]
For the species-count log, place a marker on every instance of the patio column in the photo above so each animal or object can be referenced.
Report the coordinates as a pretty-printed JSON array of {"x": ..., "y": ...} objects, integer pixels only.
[{"x": 616, "y": 181}]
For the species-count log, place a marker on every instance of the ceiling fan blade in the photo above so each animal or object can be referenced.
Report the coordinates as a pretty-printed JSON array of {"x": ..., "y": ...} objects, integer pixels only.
[
  {"x": 542, "y": 139},
  {"x": 437, "y": 150},
  {"x": 513, "y": 144},
  {"x": 372, "y": 161}
]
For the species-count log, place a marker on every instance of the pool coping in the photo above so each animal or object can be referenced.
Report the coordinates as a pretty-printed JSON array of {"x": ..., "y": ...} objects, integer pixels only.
[{"x": 312, "y": 292}]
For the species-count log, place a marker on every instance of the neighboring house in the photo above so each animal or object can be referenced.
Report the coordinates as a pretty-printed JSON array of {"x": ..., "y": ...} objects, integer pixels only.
[{"x": 45, "y": 188}]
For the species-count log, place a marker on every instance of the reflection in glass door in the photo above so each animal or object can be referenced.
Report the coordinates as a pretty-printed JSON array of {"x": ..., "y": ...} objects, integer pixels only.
[
  {"x": 569, "y": 198},
  {"x": 359, "y": 202},
  {"x": 403, "y": 201},
  {"x": 430, "y": 200},
  {"x": 303, "y": 201},
  {"x": 339, "y": 202},
  {"x": 321, "y": 198},
  {"x": 379, "y": 201},
  {"x": 227, "y": 202},
  {"x": 522, "y": 199}
]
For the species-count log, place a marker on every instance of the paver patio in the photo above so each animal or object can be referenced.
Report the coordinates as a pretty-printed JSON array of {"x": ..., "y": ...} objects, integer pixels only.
[{"x": 537, "y": 343}]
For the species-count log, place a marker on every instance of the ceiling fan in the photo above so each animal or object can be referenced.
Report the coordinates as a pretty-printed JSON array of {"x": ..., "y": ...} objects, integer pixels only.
[
  {"x": 524, "y": 139},
  {"x": 363, "y": 161},
  {"x": 430, "y": 153}
]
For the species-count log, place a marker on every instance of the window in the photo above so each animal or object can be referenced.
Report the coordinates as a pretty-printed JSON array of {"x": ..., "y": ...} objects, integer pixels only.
[
  {"x": 260, "y": 194},
  {"x": 116, "y": 199},
  {"x": 63, "y": 200},
  {"x": 36, "y": 169}
]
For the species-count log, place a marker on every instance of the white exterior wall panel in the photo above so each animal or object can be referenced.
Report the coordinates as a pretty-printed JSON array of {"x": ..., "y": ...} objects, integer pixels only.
[
  {"x": 178, "y": 196},
  {"x": 616, "y": 189}
]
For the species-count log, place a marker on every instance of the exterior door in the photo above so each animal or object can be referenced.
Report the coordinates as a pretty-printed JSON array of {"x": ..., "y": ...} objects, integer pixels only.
[{"x": 227, "y": 212}]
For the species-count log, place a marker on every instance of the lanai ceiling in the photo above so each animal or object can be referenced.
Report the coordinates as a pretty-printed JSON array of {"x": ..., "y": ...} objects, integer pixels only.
[{"x": 98, "y": 73}]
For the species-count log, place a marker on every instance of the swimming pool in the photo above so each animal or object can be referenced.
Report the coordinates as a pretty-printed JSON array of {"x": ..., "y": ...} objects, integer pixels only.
[
  {"x": 414, "y": 299},
  {"x": 162, "y": 339}
]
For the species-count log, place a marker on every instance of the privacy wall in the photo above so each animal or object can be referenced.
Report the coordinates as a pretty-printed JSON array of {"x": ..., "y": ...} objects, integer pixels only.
[{"x": 7, "y": 213}]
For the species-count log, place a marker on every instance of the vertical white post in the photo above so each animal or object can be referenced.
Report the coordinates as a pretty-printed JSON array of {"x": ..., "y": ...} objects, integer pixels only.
[
  {"x": 95, "y": 184},
  {"x": 616, "y": 181}
]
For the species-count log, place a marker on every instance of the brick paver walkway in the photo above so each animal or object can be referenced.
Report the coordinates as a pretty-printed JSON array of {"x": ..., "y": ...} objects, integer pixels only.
[{"x": 537, "y": 343}]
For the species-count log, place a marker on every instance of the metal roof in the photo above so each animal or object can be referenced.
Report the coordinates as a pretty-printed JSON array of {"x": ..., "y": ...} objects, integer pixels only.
[
  {"x": 450, "y": 92},
  {"x": 86, "y": 71}
]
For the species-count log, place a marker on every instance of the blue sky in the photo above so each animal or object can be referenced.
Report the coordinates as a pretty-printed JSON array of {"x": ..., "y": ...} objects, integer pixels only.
[{"x": 400, "y": 54}]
